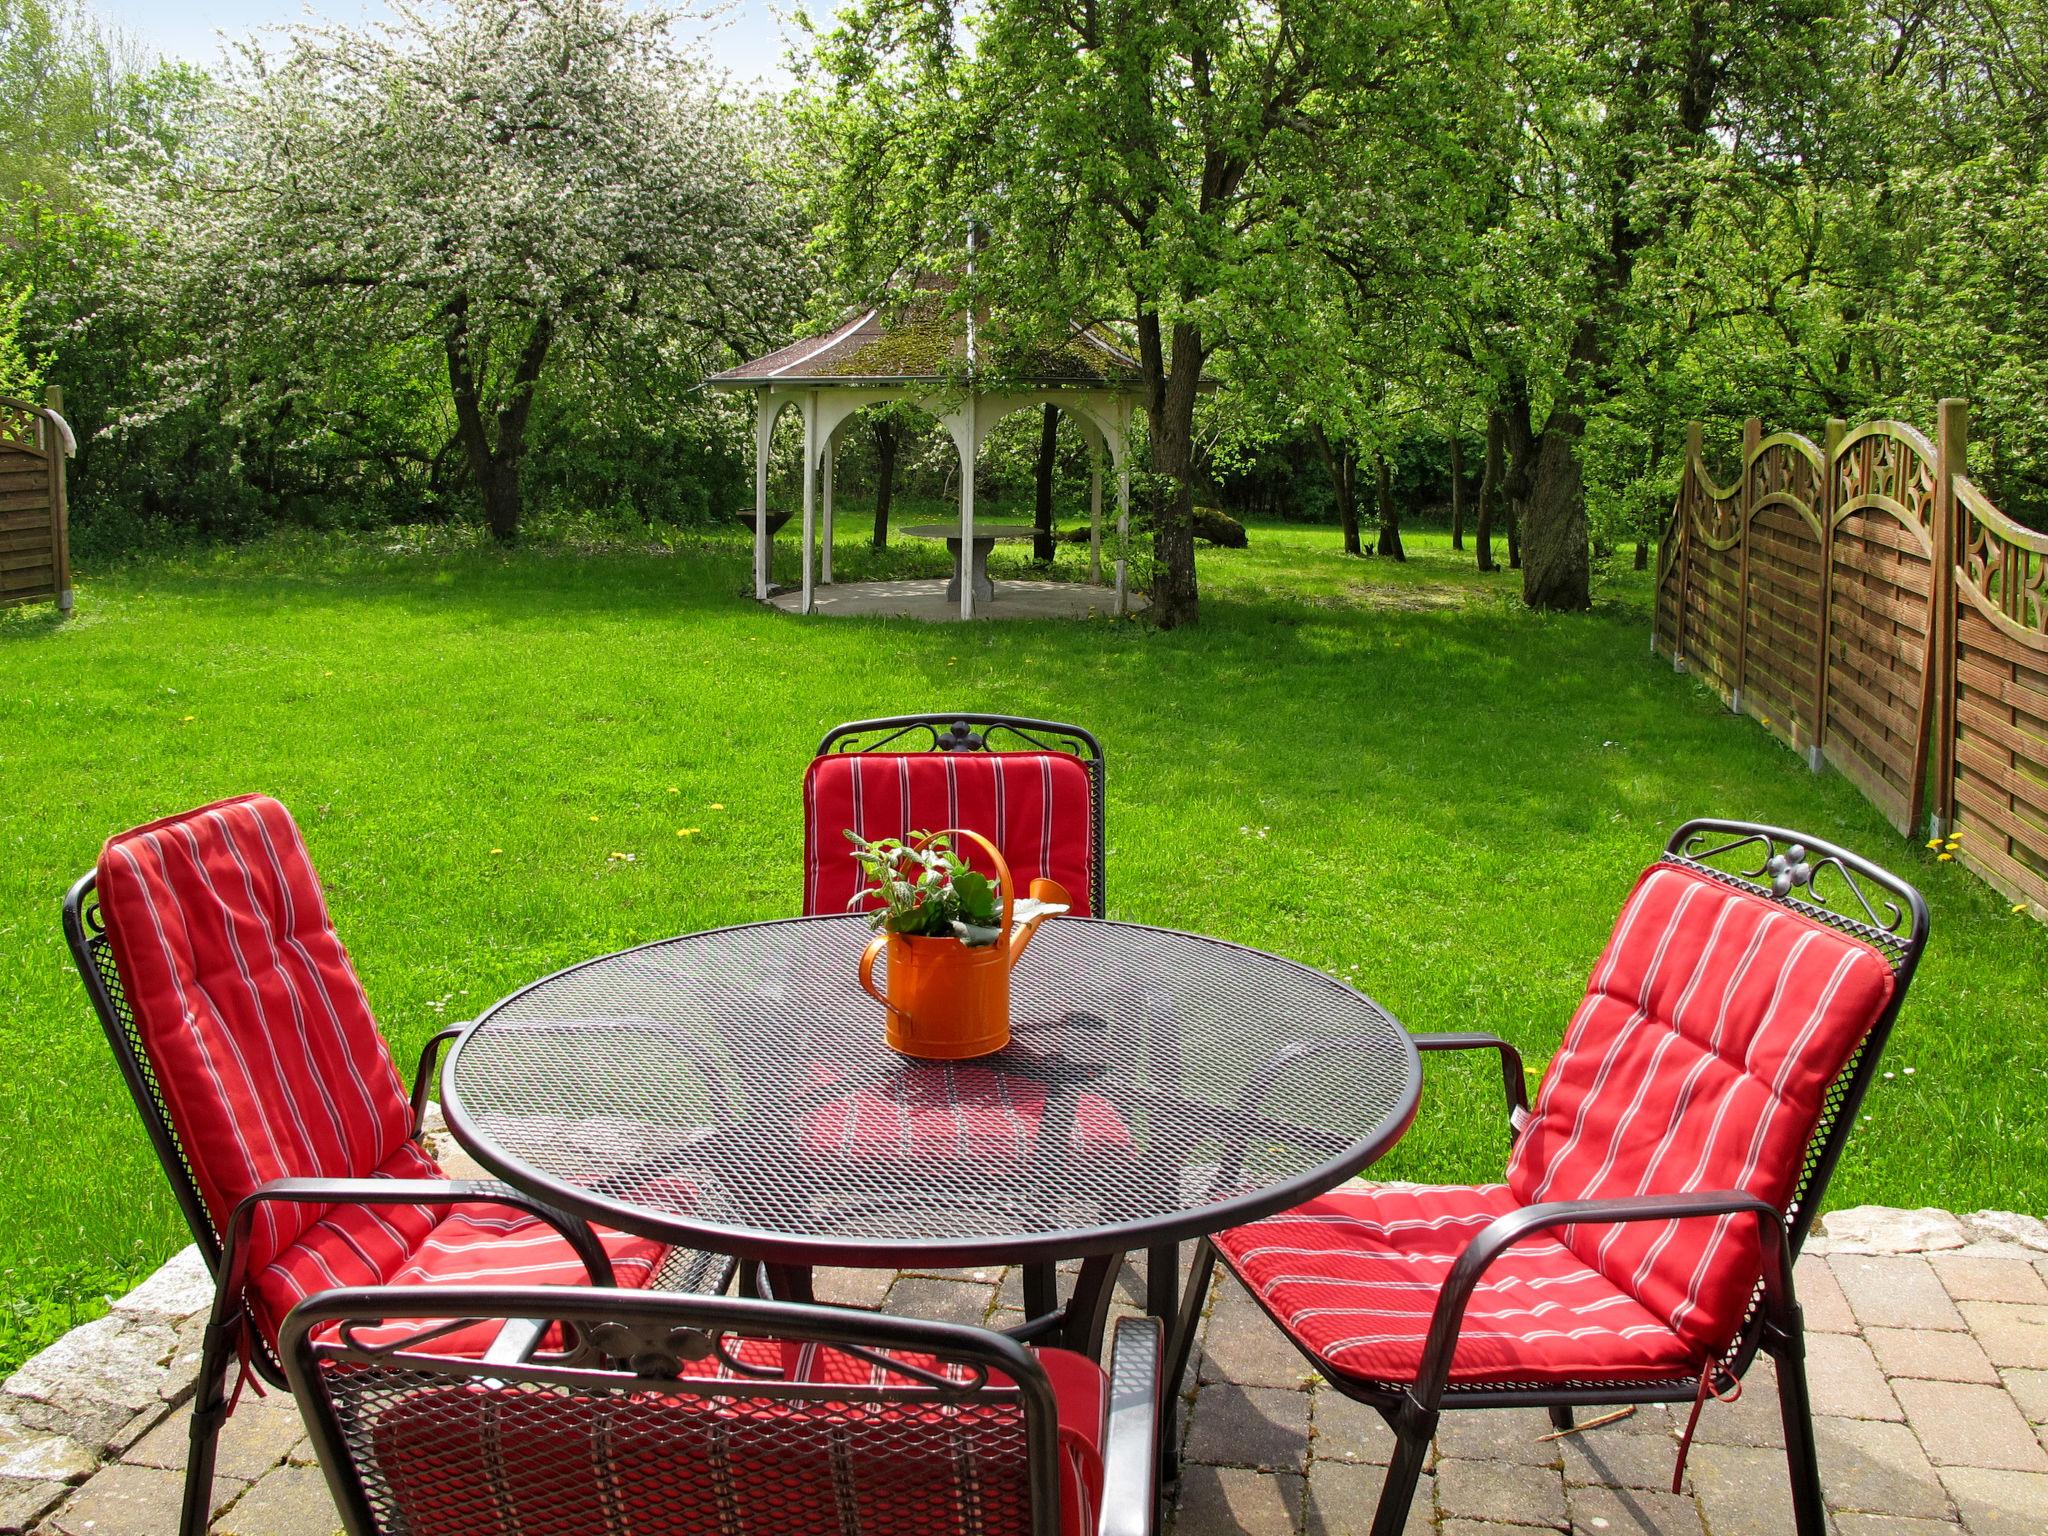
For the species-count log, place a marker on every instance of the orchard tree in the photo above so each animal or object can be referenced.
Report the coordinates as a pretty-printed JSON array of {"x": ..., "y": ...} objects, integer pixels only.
[
  {"x": 1158, "y": 165},
  {"x": 480, "y": 189}
]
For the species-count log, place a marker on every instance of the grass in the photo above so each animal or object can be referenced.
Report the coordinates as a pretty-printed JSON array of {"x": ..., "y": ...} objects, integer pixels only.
[{"x": 1395, "y": 773}]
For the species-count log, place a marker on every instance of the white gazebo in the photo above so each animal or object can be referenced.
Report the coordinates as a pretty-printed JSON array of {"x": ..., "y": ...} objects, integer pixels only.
[{"x": 918, "y": 351}]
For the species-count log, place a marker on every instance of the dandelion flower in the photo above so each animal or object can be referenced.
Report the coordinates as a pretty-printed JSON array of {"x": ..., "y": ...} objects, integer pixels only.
[
  {"x": 674, "y": 790},
  {"x": 1934, "y": 843},
  {"x": 714, "y": 806},
  {"x": 1944, "y": 858},
  {"x": 688, "y": 831},
  {"x": 497, "y": 850},
  {"x": 593, "y": 818},
  {"x": 2019, "y": 906},
  {"x": 189, "y": 719}
]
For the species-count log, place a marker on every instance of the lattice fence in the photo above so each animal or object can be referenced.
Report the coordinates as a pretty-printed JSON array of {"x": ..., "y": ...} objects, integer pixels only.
[
  {"x": 35, "y": 543},
  {"x": 1866, "y": 602}
]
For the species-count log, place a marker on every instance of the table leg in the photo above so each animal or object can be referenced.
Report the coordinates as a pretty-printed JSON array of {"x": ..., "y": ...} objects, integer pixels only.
[
  {"x": 1088, "y": 1306},
  {"x": 953, "y": 586},
  {"x": 984, "y": 587},
  {"x": 1181, "y": 1327},
  {"x": 1041, "y": 1291},
  {"x": 789, "y": 1282}
]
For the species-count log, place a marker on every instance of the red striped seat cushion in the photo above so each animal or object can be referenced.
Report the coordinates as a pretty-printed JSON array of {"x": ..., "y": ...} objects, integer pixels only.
[
  {"x": 1353, "y": 1277},
  {"x": 1699, "y": 1060},
  {"x": 944, "y": 1112},
  {"x": 1035, "y": 806},
  {"x": 482, "y": 1461},
  {"x": 249, "y": 1011}
]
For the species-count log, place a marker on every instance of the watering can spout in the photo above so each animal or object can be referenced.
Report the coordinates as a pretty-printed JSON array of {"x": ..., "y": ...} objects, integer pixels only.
[{"x": 1047, "y": 899}]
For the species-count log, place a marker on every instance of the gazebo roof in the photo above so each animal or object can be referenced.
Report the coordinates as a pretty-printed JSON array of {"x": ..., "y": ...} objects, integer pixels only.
[{"x": 917, "y": 339}]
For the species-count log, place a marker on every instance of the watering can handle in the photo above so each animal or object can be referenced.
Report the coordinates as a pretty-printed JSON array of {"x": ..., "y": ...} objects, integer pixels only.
[
  {"x": 868, "y": 957},
  {"x": 1002, "y": 871}
]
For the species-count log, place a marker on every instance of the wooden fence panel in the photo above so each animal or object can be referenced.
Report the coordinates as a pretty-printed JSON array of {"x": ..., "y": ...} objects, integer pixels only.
[
  {"x": 1880, "y": 615},
  {"x": 1781, "y": 602},
  {"x": 35, "y": 561}
]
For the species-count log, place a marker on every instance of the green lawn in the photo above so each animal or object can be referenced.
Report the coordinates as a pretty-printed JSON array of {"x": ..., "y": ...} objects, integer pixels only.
[{"x": 1391, "y": 772}]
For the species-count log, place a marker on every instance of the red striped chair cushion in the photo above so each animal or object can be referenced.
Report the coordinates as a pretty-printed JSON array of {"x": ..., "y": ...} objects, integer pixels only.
[
  {"x": 1035, "y": 806},
  {"x": 249, "y": 1011},
  {"x": 1353, "y": 1277},
  {"x": 1699, "y": 1060},
  {"x": 947, "y": 1112},
  {"x": 477, "y": 1461}
]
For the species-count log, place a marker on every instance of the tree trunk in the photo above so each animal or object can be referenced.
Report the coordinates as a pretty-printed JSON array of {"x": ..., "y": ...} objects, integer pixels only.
[
  {"x": 495, "y": 465},
  {"x": 1642, "y": 561},
  {"x": 1171, "y": 393},
  {"x": 1343, "y": 465},
  {"x": 1457, "y": 491},
  {"x": 883, "y": 431},
  {"x": 1048, "y": 445},
  {"x": 1556, "y": 572},
  {"x": 1489, "y": 491},
  {"x": 1390, "y": 520},
  {"x": 1520, "y": 442}
]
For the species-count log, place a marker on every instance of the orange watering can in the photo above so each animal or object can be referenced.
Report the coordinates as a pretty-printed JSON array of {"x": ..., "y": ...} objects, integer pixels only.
[{"x": 948, "y": 1000}]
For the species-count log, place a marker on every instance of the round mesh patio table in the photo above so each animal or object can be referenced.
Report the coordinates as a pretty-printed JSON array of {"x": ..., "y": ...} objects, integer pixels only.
[{"x": 731, "y": 1090}]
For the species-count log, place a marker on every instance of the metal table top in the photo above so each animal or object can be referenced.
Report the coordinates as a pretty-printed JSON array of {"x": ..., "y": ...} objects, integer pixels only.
[{"x": 731, "y": 1090}]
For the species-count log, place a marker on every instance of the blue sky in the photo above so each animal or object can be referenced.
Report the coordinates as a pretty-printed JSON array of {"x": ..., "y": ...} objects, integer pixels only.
[{"x": 747, "y": 40}]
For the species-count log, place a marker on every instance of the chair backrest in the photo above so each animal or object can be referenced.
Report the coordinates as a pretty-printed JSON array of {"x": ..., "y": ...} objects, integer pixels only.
[
  {"x": 235, "y": 1015},
  {"x": 669, "y": 1415},
  {"x": 1032, "y": 787},
  {"x": 1725, "y": 1040}
]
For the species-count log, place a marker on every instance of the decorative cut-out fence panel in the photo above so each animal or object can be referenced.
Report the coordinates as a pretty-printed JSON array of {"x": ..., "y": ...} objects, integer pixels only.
[
  {"x": 35, "y": 544},
  {"x": 1867, "y": 602}
]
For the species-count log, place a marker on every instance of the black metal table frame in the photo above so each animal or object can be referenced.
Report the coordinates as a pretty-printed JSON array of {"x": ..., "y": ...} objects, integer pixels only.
[{"x": 787, "y": 1261}]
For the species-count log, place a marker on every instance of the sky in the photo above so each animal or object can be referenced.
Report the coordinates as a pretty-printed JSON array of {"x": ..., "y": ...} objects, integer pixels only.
[{"x": 748, "y": 40}]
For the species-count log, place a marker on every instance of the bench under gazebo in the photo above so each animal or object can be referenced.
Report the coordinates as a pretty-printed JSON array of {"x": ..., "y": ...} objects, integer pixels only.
[{"x": 921, "y": 351}]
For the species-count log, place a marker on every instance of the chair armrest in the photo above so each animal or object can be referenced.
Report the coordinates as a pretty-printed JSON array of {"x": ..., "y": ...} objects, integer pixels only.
[
  {"x": 1130, "y": 1448},
  {"x": 1504, "y": 1231},
  {"x": 575, "y": 1232},
  {"x": 1512, "y": 1076},
  {"x": 423, "y": 1075}
]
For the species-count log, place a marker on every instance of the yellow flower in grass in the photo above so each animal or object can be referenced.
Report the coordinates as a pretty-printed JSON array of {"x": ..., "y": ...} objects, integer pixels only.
[
  {"x": 1934, "y": 843},
  {"x": 2019, "y": 906},
  {"x": 714, "y": 806},
  {"x": 1944, "y": 858},
  {"x": 593, "y": 818},
  {"x": 497, "y": 850},
  {"x": 688, "y": 831}
]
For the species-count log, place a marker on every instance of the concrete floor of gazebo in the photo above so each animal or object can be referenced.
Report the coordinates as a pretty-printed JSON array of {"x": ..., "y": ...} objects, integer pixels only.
[{"x": 927, "y": 600}]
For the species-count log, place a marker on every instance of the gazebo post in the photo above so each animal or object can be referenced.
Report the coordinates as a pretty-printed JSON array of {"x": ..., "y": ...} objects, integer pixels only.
[
  {"x": 764, "y": 426},
  {"x": 831, "y": 453},
  {"x": 970, "y": 442},
  {"x": 810, "y": 410},
  {"x": 1094, "y": 513},
  {"x": 1123, "y": 523}
]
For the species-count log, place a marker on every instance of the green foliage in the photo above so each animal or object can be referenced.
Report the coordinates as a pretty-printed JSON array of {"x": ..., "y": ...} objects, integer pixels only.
[{"x": 922, "y": 887}]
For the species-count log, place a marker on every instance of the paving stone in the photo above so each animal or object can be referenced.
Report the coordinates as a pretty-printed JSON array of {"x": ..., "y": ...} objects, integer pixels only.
[
  {"x": 93, "y": 1381},
  {"x": 292, "y": 1501},
  {"x": 24, "y": 1500},
  {"x": 1743, "y": 1491},
  {"x": 134, "y": 1501},
  {"x": 1971, "y": 1426},
  {"x": 1232, "y": 1501},
  {"x": 181, "y": 1374},
  {"x": 1619, "y": 1461},
  {"x": 40, "y": 1456},
  {"x": 1345, "y": 1430},
  {"x": 1480, "y": 1528},
  {"x": 1892, "y": 1525},
  {"x": 1974, "y": 1279},
  {"x": 1240, "y": 1344},
  {"x": 1994, "y": 1503},
  {"x": 1869, "y": 1465},
  {"x": 1248, "y": 1427},
  {"x": 863, "y": 1288},
  {"x": 1930, "y": 1354},
  {"x": 1884, "y": 1229},
  {"x": 1894, "y": 1292},
  {"x": 257, "y": 1436},
  {"x": 1843, "y": 1379},
  {"x": 1342, "y": 1499},
  {"x": 2011, "y": 1334},
  {"x": 940, "y": 1301},
  {"x": 1753, "y": 1418},
  {"x": 1498, "y": 1434},
  {"x": 1491, "y": 1490},
  {"x": 2027, "y": 1231},
  {"x": 1632, "y": 1512},
  {"x": 2030, "y": 1390},
  {"x": 1820, "y": 1296},
  {"x": 180, "y": 1289}
]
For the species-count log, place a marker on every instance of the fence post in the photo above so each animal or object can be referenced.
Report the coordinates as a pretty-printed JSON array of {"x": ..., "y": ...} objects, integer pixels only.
[
  {"x": 1951, "y": 448},
  {"x": 60, "y": 511},
  {"x": 1745, "y": 503},
  {"x": 1831, "y": 450}
]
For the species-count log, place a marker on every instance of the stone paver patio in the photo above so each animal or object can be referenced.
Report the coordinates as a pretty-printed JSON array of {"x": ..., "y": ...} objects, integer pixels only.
[{"x": 1928, "y": 1352}]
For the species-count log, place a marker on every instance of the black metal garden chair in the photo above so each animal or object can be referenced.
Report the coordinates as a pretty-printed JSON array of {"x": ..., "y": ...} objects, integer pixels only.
[
  {"x": 273, "y": 1104},
  {"x": 1032, "y": 787},
  {"x": 1641, "y": 1247},
  {"x": 645, "y": 1415}
]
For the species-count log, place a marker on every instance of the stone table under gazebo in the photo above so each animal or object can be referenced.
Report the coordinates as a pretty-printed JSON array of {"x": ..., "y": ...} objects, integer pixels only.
[{"x": 918, "y": 348}]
